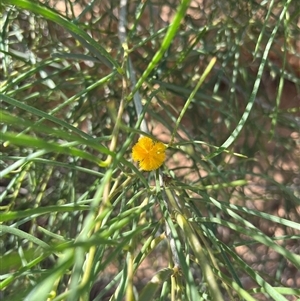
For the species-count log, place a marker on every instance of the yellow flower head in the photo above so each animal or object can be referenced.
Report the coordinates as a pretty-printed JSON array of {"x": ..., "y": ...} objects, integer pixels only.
[{"x": 149, "y": 153}]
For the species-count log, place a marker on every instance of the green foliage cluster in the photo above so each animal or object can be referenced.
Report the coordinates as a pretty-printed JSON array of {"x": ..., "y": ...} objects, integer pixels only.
[{"x": 218, "y": 81}]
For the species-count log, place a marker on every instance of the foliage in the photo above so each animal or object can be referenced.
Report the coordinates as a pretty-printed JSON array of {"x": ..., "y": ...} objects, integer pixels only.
[{"x": 218, "y": 82}]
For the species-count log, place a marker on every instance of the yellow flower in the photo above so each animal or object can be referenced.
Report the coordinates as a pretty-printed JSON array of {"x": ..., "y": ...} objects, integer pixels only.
[{"x": 149, "y": 153}]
